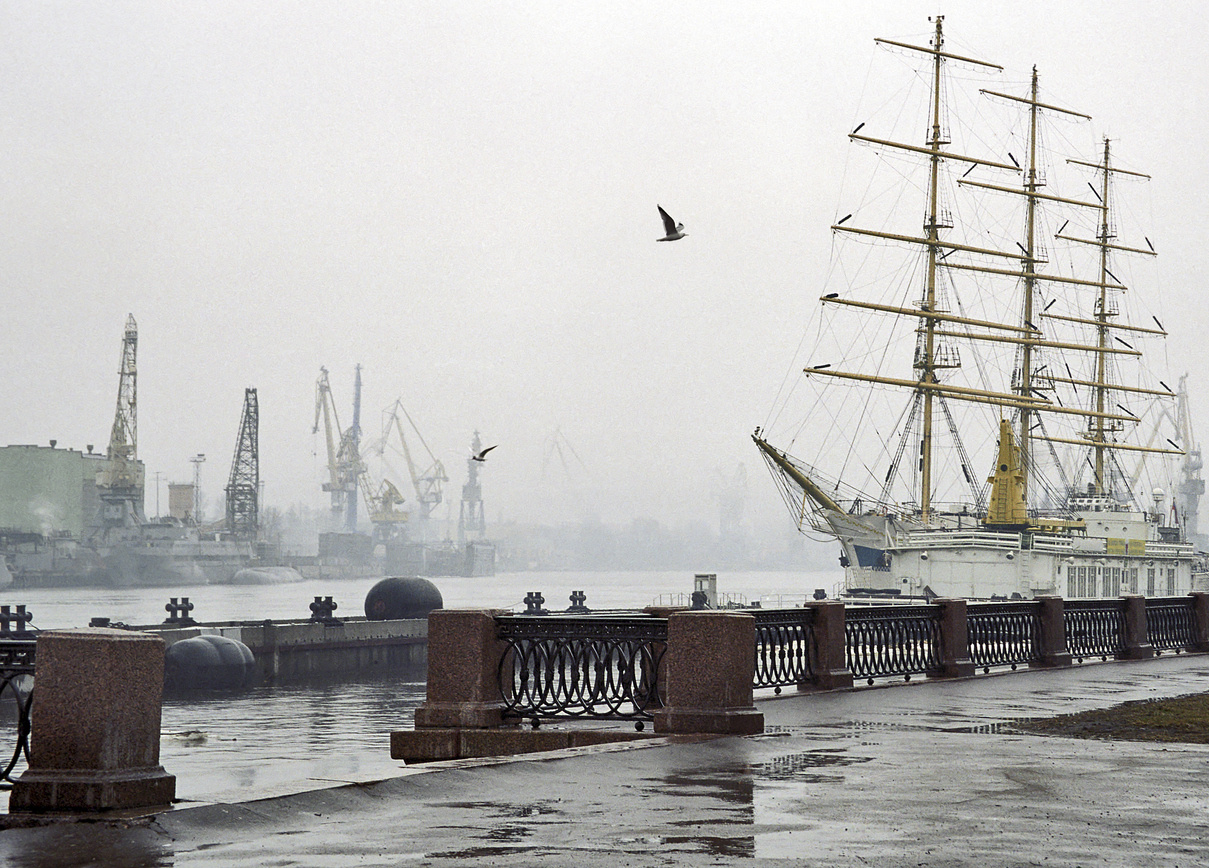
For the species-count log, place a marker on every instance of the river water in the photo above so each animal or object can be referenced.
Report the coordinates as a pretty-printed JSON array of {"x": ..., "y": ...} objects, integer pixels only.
[{"x": 276, "y": 740}]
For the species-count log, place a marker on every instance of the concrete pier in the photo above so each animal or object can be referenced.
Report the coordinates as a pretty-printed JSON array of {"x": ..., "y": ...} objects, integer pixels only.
[{"x": 291, "y": 652}]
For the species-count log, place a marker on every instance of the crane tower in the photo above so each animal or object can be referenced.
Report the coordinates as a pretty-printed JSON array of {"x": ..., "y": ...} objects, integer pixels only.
[
  {"x": 120, "y": 483},
  {"x": 471, "y": 520},
  {"x": 243, "y": 487}
]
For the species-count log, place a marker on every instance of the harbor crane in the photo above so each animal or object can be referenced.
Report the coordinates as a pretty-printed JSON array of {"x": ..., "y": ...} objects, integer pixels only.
[
  {"x": 343, "y": 449},
  {"x": 243, "y": 486},
  {"x": 120, "y": 483}
]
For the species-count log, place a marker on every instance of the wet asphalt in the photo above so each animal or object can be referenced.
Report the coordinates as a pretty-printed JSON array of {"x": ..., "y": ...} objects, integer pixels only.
[{"x": 929, "y": 773}]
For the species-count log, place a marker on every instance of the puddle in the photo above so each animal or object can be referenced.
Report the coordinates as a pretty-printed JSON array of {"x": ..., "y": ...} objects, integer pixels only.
[{"x": 805, "y": 767}]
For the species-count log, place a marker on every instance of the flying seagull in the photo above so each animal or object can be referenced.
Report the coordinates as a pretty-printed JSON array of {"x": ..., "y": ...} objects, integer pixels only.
[
  {"x": 675, "y": 231},
  {"x": 482, "y": 456}
]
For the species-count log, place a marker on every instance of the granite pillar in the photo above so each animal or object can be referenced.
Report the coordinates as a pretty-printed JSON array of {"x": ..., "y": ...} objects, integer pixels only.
[
  {"x": 1200, "y": 621},
  {"x": 1137, "y": 637},
  {"x": 95, "y": 725},
  {"x": 463, "y": 670},
  {"x": 710, "y": 667},
  {"x": 831, "y": 661},
  {"x": 1051, "y": 637},
  {"x": 955, "y": 659}
]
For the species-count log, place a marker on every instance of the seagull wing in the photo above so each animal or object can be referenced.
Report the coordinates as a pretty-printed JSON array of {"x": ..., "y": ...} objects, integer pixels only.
[
  {"x": 483, "y": 454},
  {"x": 669, "y": 225}
]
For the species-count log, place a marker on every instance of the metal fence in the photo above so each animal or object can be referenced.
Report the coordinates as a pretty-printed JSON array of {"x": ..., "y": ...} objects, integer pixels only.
[
  {"x": 787, "y": 650},
  {"x": 1171, "y": 623},
  {"x": 893, "y": 640},
  {"x": 590, "y": 667},
  {"x": 1094, "y": 628},
  {"x": 16, "y": 698},
  {"x": 1004, "y": 634},
  {"x": 608, "y": 666}
]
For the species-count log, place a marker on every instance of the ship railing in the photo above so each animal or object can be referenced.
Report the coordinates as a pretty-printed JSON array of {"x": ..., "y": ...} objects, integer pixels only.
[
  {"x": 1052, "y": 542},
  {"x": 1168, "y": 550},
  {"x": 946, "y": 539},
  {"x": 586, "y": 666}
]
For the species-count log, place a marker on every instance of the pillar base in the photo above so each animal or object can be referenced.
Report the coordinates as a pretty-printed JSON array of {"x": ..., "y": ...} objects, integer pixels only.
[
  {"x": 72, "y": 790},
  {"x": 1054, "y": 661},
  {"x": 476, "y": 715},
  {"x": 724, "y": 721}
]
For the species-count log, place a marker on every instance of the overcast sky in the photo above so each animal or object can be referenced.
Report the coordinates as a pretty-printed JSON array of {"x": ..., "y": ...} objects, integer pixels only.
[{"x": 460, "y": 196}]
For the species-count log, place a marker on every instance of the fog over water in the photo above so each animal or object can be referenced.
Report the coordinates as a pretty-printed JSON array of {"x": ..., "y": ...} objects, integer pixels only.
[{"x": 462, "y": 198}]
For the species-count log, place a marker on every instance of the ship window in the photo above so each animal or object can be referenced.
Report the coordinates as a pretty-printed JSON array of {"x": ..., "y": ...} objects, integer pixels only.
[
  {"x": 1150, "y": 581},
  {"x": 1171, "y": 581},
  {"x": 1133, "y": 580},
  {"x": 1071, "y": 582}
]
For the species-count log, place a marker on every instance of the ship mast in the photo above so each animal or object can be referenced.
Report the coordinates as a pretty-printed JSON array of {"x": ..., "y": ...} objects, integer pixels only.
[
  {"x": 1100, "y": 425},
  {"x": 1031, "y": 184},
  {"x": 926, "y": 362}
]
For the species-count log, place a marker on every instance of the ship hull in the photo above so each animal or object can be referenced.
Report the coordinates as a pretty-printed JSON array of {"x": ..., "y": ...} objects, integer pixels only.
[{"x": 979, "y": 563}]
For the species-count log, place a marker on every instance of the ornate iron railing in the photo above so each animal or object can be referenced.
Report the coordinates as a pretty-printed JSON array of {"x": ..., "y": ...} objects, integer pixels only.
[
  {"x": 1004, "y": 634},
  {"x": 893, "y": 640},
  {"x": 1094, "y": 628},
  {"x": 16, "y": 698},
  {"x": 1171, "y": 623},
  {"x": 595, "y": 667},
  {"x": 786, "y": 647}
]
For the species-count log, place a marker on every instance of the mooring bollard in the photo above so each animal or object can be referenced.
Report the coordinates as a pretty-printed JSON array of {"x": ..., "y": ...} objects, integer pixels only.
[
  {"x": 20, "y": 619},
  {"x": 577, "y": 607},
  {"x": 533, "y": 603},
  {"x": 322, "y": 610},
  {"x": 178, "y": 613}
]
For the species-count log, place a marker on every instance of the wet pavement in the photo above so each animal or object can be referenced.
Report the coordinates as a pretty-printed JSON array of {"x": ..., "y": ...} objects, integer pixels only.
[{"x": 928, "y": 773}]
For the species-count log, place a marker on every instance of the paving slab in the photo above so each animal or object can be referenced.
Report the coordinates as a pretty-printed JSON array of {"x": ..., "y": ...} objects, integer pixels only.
[{"x": 929, "y": 773}]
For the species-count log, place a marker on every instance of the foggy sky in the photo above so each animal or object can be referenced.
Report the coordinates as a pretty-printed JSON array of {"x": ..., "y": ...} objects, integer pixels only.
[{"x": 461, "y": 198}]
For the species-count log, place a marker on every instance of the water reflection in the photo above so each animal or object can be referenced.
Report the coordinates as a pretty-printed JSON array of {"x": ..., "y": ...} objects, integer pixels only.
[{"x": 283, "y": 739}]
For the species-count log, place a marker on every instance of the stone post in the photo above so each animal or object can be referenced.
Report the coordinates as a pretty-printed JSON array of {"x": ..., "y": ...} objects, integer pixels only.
[
  {"x": 1052, "y": 633},
  {"x": 1200, "y": 621},
  {"x": 1137, "y": 638},
  {"x": 955, "y": 659},
  {"x": 831, "y": 663},
  {"x": 463, "y": 670},
  {"x": 710, "y": 666},
  {"x": 95, "y": 725}
]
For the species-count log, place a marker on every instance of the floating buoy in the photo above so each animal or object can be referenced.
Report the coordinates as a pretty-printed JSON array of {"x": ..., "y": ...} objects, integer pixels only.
[
  {"x": 400, "y": 597},
  {"x": 208, "y": 662}
]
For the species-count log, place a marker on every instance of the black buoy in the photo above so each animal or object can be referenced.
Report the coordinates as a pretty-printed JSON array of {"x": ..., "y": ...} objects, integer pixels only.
[
  {"x": 400, "y": 597},
  {"x": 208, "y": 662}
]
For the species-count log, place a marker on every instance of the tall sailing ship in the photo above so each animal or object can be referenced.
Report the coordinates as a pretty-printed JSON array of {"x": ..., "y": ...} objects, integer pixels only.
[{"x": 977, "y": 390}]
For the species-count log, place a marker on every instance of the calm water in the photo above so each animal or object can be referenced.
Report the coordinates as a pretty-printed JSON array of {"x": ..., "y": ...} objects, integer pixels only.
[{"x": 271, "y": 741}]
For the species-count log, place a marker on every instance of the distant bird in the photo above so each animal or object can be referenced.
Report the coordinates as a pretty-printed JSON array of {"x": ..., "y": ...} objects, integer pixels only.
[
  {"x": 675, "y": 231},
  {"x": 482, "y": 456}
]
